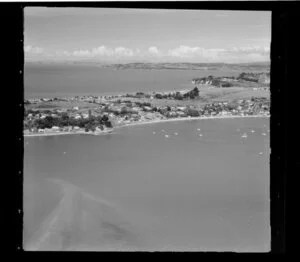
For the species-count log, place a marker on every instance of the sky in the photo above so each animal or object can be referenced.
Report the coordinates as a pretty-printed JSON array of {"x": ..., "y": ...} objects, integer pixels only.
[{"x": 145, "y": 35}]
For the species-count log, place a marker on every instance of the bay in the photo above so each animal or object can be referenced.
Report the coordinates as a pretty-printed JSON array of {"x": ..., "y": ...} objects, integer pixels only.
[
  {"x": 138, "y": 189},
  {"x": 42, "y": 80}
]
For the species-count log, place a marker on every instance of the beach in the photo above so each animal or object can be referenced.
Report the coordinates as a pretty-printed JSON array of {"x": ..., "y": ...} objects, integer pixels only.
[{"x": 82, "y": 132}]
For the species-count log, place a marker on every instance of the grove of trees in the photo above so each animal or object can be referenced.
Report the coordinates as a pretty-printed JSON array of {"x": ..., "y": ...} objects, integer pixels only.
[{"x": 89, "y": 123}]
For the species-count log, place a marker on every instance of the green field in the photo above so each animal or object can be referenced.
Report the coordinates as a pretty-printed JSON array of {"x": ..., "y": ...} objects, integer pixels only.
[{"x": 207, "y": 95}]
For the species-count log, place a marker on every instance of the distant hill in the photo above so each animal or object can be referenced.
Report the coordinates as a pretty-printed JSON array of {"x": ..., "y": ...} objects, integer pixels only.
[
  {"x": 255, "y": 66},
  {"x": 194, "y": 66}
]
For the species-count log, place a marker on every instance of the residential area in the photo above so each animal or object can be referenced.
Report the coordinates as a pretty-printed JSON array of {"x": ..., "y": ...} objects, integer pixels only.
[{"x": 97, "y": 114}]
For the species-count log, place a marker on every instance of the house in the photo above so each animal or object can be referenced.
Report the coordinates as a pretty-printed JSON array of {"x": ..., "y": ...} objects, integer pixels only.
[
  {"x": 181, "y": 108},
  {"x": 180, "y": 113},
  {"x": 136, "y": 109},
  {"x": 147, "y": 108},
  {"x": 77, "y": 116},
  {"x": 55, "y": 128},
  {"x": 76, "y": 108},
  {"x": 99, "y": 129}
]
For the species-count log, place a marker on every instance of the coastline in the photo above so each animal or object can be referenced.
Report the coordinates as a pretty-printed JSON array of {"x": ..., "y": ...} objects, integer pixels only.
[
  {"x": 69, "y": 133},
  {"x": 144, "y": 123},
  {"x": 187, "y": 119}
]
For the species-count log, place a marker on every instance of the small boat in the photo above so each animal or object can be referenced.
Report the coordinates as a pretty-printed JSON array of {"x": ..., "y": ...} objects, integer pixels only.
[
  {"x": 252, "y": 131},
  {"x": 264, "y": 134},
  {"x": 166, "y": 136},
  {"x": 200, "y": 135},
  {"x": 153, "y": 133},
  {"x": 244, "y": 135},
  {"x": 260, "y": 153},
  {"x": 198, "y": 129},
  {"x": 175, "y": 134}
]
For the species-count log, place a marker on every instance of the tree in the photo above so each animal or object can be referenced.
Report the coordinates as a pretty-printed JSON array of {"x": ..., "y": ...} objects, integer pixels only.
[
  {"x": 105, "y": 118},
  {"x": 193, "y": 112},
  {"x": 196, "y": 91},
  {"x": 108, "y": 124},
  {"x": 178, "y": 96}
]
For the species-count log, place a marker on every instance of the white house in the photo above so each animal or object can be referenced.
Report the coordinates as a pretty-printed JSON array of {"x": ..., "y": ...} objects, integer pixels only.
[
  {"x": 181, "y": 108},
  {"x": 147, "y": 108}
]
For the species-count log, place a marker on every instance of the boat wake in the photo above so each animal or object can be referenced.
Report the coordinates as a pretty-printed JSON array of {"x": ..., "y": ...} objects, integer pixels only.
[{"x": 82, "y": 221}]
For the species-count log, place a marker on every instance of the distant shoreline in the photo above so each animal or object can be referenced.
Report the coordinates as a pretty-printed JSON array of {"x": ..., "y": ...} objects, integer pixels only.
[{"x": 144, "y": 123}]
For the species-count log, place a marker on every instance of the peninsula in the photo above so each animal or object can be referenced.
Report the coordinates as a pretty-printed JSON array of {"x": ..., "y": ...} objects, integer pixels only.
[{"x": 88, "y": 114}]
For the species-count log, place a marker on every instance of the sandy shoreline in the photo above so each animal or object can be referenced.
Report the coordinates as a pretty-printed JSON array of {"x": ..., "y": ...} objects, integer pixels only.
[
  {"x": 186, "y": 119},
  {"x": 143, "y": 123}
]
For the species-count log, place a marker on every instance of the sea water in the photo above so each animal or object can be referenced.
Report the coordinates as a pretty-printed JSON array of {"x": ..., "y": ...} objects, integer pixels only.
[
  {"x": 136, "y": 189},
  {"x": 71, "y": 80}
]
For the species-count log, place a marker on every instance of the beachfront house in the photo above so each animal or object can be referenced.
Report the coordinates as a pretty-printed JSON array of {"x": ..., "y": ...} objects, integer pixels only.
[{"x": 55, "y": 128}]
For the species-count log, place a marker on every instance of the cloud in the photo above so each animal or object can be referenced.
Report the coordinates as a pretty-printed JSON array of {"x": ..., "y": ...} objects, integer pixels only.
[
  {"x": 251, "y": 49},
  {"x": 184, "y": 51},
  {"x": 33, "y": 49},
  {"x": 81, "y": 53},
  {"x": 63, "y": 53},
  {"x": 103, "y": 51},
  {"x": 180, "y": 53},
  {"x": 122, "y": 51},
  {"x": 153, "y": 50},
  {"x": 235, "y": 54},
  {"x": 196, "y": 52},
  {"x": 247, "y": 53}
]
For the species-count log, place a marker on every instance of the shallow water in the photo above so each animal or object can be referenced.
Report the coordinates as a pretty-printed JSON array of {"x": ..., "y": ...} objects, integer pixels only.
[{"x": 135, "y": 190}]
